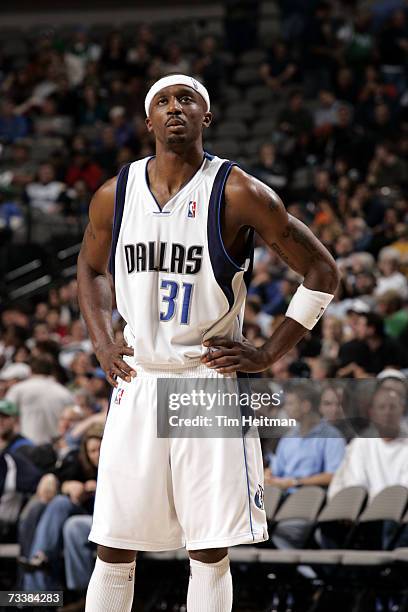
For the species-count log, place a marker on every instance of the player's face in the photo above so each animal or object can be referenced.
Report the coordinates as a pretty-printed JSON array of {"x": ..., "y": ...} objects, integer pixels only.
[{"x": 177, "y": 115}]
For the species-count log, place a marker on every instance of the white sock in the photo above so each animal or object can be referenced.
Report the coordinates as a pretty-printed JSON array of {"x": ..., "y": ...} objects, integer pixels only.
[
  {"x": 210, "y": 587},
  {"x": 111, "y": 587}
]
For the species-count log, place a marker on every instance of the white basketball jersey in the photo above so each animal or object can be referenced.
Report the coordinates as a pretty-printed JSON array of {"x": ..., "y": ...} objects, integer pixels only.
[{"x": 176, "y": 285}]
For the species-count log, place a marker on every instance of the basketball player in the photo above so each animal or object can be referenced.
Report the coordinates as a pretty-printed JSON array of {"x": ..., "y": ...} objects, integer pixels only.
[{"x": 178, "y": 229}]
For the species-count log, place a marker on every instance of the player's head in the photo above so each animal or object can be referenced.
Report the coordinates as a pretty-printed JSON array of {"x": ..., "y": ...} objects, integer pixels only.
[{"x": 177, "y": 110}]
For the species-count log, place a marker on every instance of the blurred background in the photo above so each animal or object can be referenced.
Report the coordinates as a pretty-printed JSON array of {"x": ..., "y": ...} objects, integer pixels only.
[{"x": 309, "y": 96}]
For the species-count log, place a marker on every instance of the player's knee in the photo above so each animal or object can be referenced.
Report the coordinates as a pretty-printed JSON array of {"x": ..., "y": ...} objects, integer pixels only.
[
  {"x": 115, "y": 555},
  {"x": 209, "y": 555}
]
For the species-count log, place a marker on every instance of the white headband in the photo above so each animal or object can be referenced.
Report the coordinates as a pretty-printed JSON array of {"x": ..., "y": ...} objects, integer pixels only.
[{"x": 176, "y": 79}]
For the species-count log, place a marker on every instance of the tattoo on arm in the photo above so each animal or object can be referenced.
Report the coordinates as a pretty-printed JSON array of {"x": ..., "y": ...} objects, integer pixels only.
[
  {"x": 312, "y": 250},
  {"x": 300, "y": 238},
  {"x": 281, "y": 254}
]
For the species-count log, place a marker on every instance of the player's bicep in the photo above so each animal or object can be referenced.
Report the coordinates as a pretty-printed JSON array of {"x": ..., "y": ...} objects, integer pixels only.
[
  {"x": 256, "y": 205},
  {"x": 97, "y": 239},
  {"x": 96, "y": 246},
  {"x": 270, "y": 219},
  {"x": 291, "y": 239}
]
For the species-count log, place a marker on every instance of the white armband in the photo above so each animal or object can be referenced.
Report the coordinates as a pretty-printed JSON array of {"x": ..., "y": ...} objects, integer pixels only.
[{"x": 307, "y": 306}]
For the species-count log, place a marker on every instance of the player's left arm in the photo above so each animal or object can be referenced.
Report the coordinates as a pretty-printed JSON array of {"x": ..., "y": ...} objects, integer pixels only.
[{"x": 251, "y": 203}]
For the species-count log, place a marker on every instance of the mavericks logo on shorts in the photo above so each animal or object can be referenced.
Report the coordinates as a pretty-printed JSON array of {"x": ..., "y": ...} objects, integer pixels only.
[
  {"x": 119, "y": 396},
  {"x": 259, "y": 497}
]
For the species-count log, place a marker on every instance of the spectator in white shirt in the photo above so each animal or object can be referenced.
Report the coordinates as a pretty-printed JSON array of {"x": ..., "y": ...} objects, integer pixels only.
[
  {"x": 391, "y": 279},
  {"x": 379, "y": 461},
  {"x": 40, "y": 400},
  {"x": 44, "y": 194}
]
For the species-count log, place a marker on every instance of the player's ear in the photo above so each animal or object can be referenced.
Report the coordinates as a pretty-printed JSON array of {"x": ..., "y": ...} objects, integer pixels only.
[
  {"x": 149, "y": 124},
  {"x": 207, "y": 120}
]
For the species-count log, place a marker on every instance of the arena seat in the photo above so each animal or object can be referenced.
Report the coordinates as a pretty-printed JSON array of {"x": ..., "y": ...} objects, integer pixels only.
[
  {"x": 263, "y": 127},
  {"x": 259, "y": 94},
  {"x": 232, "y": 129},
  {"x": 246, "y": 75},
  {"x": 341, "y": 512},
  {"x": 270, "y": 111},
  {"x": 242, "y": 111},
  {"x": 227, "y": 147},
  {"x": 388, "y": 505},
  {"x": 304, "y": 505},
  {"x": 272, "y": 500},
  {"x": 252, "y": 146},
  {"x": 231, "y": 93},
  {"x": 253, "y": 58}
]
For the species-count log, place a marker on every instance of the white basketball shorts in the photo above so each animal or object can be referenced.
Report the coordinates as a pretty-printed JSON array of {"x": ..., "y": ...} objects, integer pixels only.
[{"x": 157, "y": 494}]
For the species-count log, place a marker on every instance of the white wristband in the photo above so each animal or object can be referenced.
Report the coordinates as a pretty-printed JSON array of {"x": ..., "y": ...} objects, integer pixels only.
[{"x": 307, "y": 306}]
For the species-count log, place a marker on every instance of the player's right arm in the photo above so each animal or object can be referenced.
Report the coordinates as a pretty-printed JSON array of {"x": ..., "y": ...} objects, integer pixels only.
[{"x": 94, "y": 286}]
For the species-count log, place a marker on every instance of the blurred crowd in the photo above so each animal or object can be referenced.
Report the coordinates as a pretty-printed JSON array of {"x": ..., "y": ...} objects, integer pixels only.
[
  {"x": 333, "y": 143},
  {"x": 327, "y": 128}
]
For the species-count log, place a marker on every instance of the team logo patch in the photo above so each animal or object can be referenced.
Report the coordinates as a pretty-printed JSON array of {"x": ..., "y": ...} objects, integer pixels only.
[
  {"x": 119, "y": 396},
  {"x": 192, "y": 207},
  {"x": 259, "y": 497}
]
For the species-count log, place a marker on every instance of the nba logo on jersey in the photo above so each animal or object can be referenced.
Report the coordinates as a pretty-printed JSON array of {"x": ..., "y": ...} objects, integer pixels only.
[
  {"x": 192, "y": 208},
  {"x": 119, "y": 396}
]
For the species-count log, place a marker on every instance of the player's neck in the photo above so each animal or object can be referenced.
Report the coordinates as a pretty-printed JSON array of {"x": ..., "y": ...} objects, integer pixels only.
[{"x": 174, "y": 168}]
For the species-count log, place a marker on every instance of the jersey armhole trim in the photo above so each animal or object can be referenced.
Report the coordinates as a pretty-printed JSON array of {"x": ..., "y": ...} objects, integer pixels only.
[
  {"x": 221, "y": 196},
  {"x": 120, "y": 194}
]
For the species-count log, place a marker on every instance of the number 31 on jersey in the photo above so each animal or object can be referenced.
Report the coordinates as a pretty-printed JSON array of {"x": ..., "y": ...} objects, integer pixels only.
[{"x": 172, "y": 298}]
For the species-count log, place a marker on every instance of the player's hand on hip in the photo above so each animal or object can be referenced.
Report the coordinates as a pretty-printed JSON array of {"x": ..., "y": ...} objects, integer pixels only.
[
  {"x": 110, "y": 356},
  {"x": 226, "y": 356}
]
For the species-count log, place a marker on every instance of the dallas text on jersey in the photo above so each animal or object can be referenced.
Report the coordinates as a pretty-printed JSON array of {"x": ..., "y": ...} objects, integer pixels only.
[{"x": 157, "y": 257}]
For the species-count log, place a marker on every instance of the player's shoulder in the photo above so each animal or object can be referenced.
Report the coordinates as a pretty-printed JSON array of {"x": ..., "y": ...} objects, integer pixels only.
[
  {"x": 105, "y": 194},
  {"x": 243, "y": 189},
  {"x": 108, "y": 187},
  {"x": 102, "y": 204}
]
